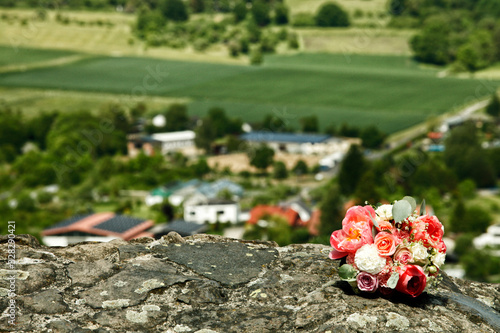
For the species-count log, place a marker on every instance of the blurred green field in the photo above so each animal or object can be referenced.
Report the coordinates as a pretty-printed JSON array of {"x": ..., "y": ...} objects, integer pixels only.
[
  {"x": 24, "y": 56},
  {"x": 392, "y": 92}
]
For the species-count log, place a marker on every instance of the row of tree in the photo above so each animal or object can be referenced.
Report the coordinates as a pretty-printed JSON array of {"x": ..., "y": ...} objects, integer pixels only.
[{"x": 463, "y": 33}]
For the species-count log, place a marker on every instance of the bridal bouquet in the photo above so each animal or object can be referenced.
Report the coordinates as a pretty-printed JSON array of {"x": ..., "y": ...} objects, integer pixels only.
[{"x": 392, "y": 247}]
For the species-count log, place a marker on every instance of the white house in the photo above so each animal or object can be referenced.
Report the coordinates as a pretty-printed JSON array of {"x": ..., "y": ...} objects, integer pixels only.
[
  {"x": 300, "y": 143},
  {"x": 174, "y": 141},
  {"x": 490, "y": 238},
  {"x": 212, "y": 211}
]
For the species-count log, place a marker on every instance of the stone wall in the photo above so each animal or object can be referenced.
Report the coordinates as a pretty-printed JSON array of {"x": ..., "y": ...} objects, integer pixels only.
[{"x": 207, "y": 284}]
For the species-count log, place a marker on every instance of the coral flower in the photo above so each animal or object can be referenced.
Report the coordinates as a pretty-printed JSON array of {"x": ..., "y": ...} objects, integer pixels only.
[
  {"x": 386, "y": 244},
  {"x": 351, "y": 237},
  {"x": 428, "y": 229},
  {"x": 359, "y": 214}
]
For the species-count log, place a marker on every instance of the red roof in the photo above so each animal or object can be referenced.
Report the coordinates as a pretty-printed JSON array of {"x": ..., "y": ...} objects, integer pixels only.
[
  {"x": 435, "y": 135},
  {"x": 260, "y": 211},
  {"x": 314, "y": 223},
  {"x": 103, "y": 224},
  {"x": 292, "y": 216}
]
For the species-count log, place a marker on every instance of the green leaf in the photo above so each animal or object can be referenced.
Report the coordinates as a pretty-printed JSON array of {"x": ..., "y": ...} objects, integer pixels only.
[
  {"x": 422, "y": 208},
  {"x": 412, "y": 202},
  {"x": 401, "y": 210},
  {"x": 393, "y": 280},
  {"x": 375, "y": 223},
  {"x": 374, "y": 232},
  {"x": 347, "y": 272}
]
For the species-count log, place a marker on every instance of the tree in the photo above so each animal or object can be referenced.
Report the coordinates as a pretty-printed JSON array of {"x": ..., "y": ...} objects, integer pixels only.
[
  {"x": 279, "y": 170},
  {"x": 240, "y": 11},
  {"x": 488, "y": 8},
  {"x": 300, "y": 168},
  {"x": 332, "y": 15},
  {"x": 200, "y": 168},
  {"x": 464, "y": 155},
  {"x": 309, "y": 124},
  {"x": 351, "y": 170},
  {"x": 478, "y": 52},
  {"x": 372, "y": 137},
  {"x": 197, "y": 6},
  {"x": 261, "y": 12},
  {"x": 261, "y": 157},
  {"x": 349, "y": 131},
  {"x": 12, "y": 133},
  {"x": 473, "y": 219},
  {"x": 432, "y": 44},
  {"x": 331, "y": 212},
  {"x": 366, "y": 190},
  {"x": 174, "y": 10},
  {"x": 256, "y": 57},
  {"x": 281, "y": 14},
  {"x": 177, "y": 118},
  {"x": 253, "y": 30},
  {"x": 493, "y": 108},
  {"x": 80, "y": 133},
  {"x": 149, "y": 21},
  {"x": 215, "y": 125},
  {"x": 39, "y": 127}
]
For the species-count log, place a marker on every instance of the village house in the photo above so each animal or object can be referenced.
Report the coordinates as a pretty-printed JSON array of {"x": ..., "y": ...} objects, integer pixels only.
[
  {"x": 96, "y": 227},
  {"x": 182, "y": 141},
  {"x": 212, "y": 211},
  {"x": 295, "y": 212},
  {"x": 300, "y": 143}
]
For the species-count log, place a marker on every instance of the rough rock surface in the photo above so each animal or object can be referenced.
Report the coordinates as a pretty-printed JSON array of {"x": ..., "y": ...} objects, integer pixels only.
[{"x": 208, "y": 284}]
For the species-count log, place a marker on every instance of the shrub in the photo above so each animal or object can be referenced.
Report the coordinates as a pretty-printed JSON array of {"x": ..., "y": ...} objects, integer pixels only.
[
  {"x": 256, "y": 57},
  {"x": 332, "y": 15}
]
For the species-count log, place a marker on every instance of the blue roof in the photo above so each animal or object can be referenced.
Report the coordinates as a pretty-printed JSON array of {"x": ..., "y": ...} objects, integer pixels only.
[
  {"x": 258, "y": 136},
  {"x": 70, "y": 221},
  {"x": 119, "y": 223},
  {"x": 213, "y": 189}
]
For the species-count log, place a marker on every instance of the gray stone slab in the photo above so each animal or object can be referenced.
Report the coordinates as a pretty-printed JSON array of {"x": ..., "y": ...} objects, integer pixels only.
[
  {"x": 132, "y": 285},
  {"x": 228, "y": 263}
]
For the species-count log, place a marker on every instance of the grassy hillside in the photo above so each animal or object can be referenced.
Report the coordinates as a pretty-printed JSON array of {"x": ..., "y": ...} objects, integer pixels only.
[{"x": 390, "y": 91}]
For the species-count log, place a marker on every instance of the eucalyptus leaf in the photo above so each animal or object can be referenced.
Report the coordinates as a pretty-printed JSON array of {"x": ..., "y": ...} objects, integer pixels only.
[
  {"x": 412, "y": 202},
  {"x": 393, "y": 280},
  {"x": 374, "y": 232},
  {"x": 375, "y": 223},
  {"x": 422, "y": 208},
  {"x": 347, "y": 272},
  {"x": 401, "y": 210}
]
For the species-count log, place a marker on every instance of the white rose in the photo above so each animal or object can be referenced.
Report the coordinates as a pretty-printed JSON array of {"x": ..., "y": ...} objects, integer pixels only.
[
  {"x": 384, "y": 212},
  {"x": 368, "y": 260},
  {"x": 438, "y": 259},
  {"x": 419, "y": 252}
]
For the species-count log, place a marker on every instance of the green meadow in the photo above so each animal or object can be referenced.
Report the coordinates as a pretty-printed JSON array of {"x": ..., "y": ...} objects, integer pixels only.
[{"x": 392, "y": 92}]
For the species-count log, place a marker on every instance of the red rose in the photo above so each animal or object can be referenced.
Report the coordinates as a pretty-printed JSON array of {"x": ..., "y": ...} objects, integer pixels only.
[{"x": 412, "y": 280}]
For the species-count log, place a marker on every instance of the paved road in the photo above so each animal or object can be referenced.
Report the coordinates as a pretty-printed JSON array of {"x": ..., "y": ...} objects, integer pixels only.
[{"x": 466, "y": 113}]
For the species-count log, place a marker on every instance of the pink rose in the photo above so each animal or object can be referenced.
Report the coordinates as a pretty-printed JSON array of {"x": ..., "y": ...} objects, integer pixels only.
[
  {"x": 403, "y": 255},
  {"x": 352, "y": 236},
  {"x": 385, "y": 226},
  {"x": 367, "y": 282},
  {"x": 412, "y": 280},
  {"x": 386, "y": 244}
]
